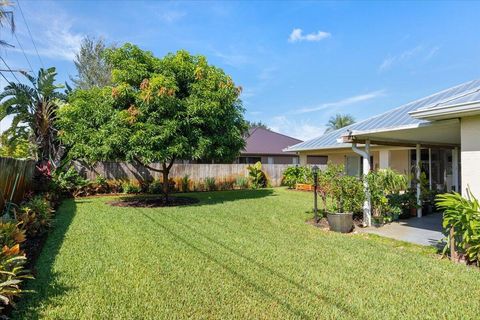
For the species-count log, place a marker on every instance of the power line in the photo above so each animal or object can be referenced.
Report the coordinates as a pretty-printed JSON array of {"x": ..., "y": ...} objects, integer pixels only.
[
  {"x": 3, "y": 76},
  {"x": 30, "y": 33},
  {"x": 21, "y": 48},
  {"x": 9, "y": 69}
]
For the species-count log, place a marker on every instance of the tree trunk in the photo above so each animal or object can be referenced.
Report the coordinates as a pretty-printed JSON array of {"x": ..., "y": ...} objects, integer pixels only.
[
  {"x": 165, "y": 172},
  {"x": 453, "y": 252}
]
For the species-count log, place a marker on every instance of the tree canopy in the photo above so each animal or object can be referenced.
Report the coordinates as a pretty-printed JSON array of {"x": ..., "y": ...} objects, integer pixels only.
[
  {"x": 34, "y": 109},
  {"x": 257, "y": 124},
  {"x": 339, "y": 121},
  {"x": 157, "y": 110},
  {"x": 92, "y": 67}
]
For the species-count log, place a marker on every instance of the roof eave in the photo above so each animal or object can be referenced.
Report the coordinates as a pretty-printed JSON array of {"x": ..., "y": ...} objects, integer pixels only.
[
  {"x": 448, "y": 112},
  {"x": 345, "y": 145}
]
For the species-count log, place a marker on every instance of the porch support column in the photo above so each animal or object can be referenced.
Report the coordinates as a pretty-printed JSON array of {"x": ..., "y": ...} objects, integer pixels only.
[
  {"x": 430, "y": 168},
  {"x": 417, "y": 174},
  {"x": 455, "y": 184},
  {"x": 367, "y": 208}
]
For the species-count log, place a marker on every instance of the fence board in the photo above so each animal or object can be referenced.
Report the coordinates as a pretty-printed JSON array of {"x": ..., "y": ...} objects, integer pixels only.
[
  {"x": 196, "y": 172},
  {"x": 9, "y": 169}
]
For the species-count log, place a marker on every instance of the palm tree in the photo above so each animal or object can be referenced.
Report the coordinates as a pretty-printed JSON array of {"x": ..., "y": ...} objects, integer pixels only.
[
  {"x": 6, "y": 19},
  {"x": 339, "y": 121},
  {"x": 35, "y": 107}
]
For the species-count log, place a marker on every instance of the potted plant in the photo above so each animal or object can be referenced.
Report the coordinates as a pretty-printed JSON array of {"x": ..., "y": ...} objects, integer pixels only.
[
  {"x": 412, "y": 203},
  {"x": 346, "y": 193},
  {"x": 395, "y": 212}
]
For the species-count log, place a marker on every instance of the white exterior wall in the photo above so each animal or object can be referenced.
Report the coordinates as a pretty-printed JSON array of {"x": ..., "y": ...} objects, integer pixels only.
[
  {"x": 470, "y": 155},
  {"x": 398, "y": 159}
]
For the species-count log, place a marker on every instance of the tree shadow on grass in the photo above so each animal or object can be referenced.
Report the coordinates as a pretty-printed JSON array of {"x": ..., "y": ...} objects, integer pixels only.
[
  {"x": 46, "y": 285},
  {"x": 208, "y": 198},
  {"x": 256, "y": 286}
]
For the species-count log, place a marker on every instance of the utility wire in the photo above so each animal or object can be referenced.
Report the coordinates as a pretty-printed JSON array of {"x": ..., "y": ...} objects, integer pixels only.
[
  {"x": 21, "y": 48},
  {"x": 9, "y": 69},
  {"x": 30, "y": 33},
  {"x": 3, "y": 76}
]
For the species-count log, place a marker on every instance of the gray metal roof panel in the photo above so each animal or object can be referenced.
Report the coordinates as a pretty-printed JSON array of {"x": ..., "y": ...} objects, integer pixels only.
[{"x": 396, "y": 117}]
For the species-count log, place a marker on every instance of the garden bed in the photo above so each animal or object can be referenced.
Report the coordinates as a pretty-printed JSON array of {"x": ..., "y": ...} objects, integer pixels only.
[{"x": 304, "y": 187}]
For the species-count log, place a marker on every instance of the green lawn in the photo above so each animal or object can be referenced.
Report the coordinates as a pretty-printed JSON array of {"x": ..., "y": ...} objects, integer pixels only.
[{"x": 235, "y": 254}]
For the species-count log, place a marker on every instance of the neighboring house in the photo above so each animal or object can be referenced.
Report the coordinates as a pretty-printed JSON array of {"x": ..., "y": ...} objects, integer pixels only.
[
  {"x": 439, "y": 132},
  {"x": 267, "y": 147}
]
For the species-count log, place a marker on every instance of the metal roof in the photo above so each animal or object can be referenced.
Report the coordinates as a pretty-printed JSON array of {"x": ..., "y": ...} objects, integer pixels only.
[{"x": 398, "y": 117}]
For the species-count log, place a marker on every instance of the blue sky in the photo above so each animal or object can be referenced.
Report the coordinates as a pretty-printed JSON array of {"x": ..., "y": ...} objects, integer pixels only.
[{"x": 299, "y": 63}]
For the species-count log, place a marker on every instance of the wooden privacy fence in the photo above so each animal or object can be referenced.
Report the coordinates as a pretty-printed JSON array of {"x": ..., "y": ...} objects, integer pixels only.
[
  {"x": 196, "y": 172},
  {"x": 16, "y": 177}
]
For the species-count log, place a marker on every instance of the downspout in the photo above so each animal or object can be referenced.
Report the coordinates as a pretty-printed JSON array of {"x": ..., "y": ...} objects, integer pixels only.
[
  {"x": 367, "y": 207},
  {"x": 418, "y": 173}
]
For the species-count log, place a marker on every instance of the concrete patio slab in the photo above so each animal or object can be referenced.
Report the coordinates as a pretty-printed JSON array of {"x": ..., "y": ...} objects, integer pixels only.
[{"x": 425, "y": 231}]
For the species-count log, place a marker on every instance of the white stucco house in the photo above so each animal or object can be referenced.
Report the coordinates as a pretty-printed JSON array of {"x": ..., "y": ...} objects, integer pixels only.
[{"x": 440, "y": 132}]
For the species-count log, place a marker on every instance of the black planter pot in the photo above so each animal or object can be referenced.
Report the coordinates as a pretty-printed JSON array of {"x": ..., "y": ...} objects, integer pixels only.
[{"x": 340, "y": 222}]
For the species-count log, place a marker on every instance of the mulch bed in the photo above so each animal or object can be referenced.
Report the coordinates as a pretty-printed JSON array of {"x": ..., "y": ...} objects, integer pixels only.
[
  {"x": 153, "y": 202},
  {"x": 322, "y": 223}
]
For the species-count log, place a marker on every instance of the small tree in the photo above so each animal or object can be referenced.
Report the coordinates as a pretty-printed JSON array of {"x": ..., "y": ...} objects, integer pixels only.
[
  {"x": 158, "y": 110},
  {"x": 34, "y": 107},
  {"x": 92, "y": 68}
]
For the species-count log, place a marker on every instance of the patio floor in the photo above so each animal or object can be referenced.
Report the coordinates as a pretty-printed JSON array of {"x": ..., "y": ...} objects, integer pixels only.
[{"x": 424, "y": 231}]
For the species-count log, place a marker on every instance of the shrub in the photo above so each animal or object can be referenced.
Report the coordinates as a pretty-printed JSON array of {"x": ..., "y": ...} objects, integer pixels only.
[
  {"x": 258, "y": 179},
  {"x": 463, "y": 215},
  {"x": 329, "y": 187},
  {"x": 35, "y": 216},
  {"x": 352, "y": 194},
  {"x": 297, "y": 174},
  {"x": 241, "y": 182},
  {"x": 185, "y": 183},
  {"x": 68, "y": 182},
  {"x": 210, "y": 184},
  {"x": 115, "y": 186},
  {"x": 11, "y": 234},
  {"x": 225, "y": 185},
  {"x": 12, "y": 273},
  {"x": 128, "y": 187},
  {"x": 155, "y": 187},
  {"x": 99, "y": 185},
  {"x": 382, "y": 184}
]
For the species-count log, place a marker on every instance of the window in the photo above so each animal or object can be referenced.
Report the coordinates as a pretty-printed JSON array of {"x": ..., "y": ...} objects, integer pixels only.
[
  {"x": 294, "y": 160},
  {"x": 353, "y": 166},
  {"x": 317, "y": 159},
  {"x": 270, "y": 160},
  {"x": 249, "y": 160}
]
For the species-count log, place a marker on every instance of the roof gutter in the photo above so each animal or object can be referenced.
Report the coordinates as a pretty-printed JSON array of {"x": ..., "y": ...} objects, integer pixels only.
[{"x": 447, "y": 112}]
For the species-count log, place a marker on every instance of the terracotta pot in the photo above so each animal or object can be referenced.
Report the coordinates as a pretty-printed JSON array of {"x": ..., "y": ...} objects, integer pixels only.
[{"x": 413, "y": 212}]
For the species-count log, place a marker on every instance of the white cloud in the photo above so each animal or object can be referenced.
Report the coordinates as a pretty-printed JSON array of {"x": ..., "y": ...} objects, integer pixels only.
[
  {"x": 344, "y": 102},
  {"x": 54, "y": 39},
  {"x": 433, "y": 51},
  {"x": 297, "y": 35},
  {"x": 302, "y": 130},
  {"x": 414, "y": 53},
  {"x": 170, "y": 16},
  {"x": 231, "y": 58}
]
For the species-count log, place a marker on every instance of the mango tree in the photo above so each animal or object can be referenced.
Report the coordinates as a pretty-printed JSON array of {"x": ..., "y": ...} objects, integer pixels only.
[{"x": 157, "y": 111}]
